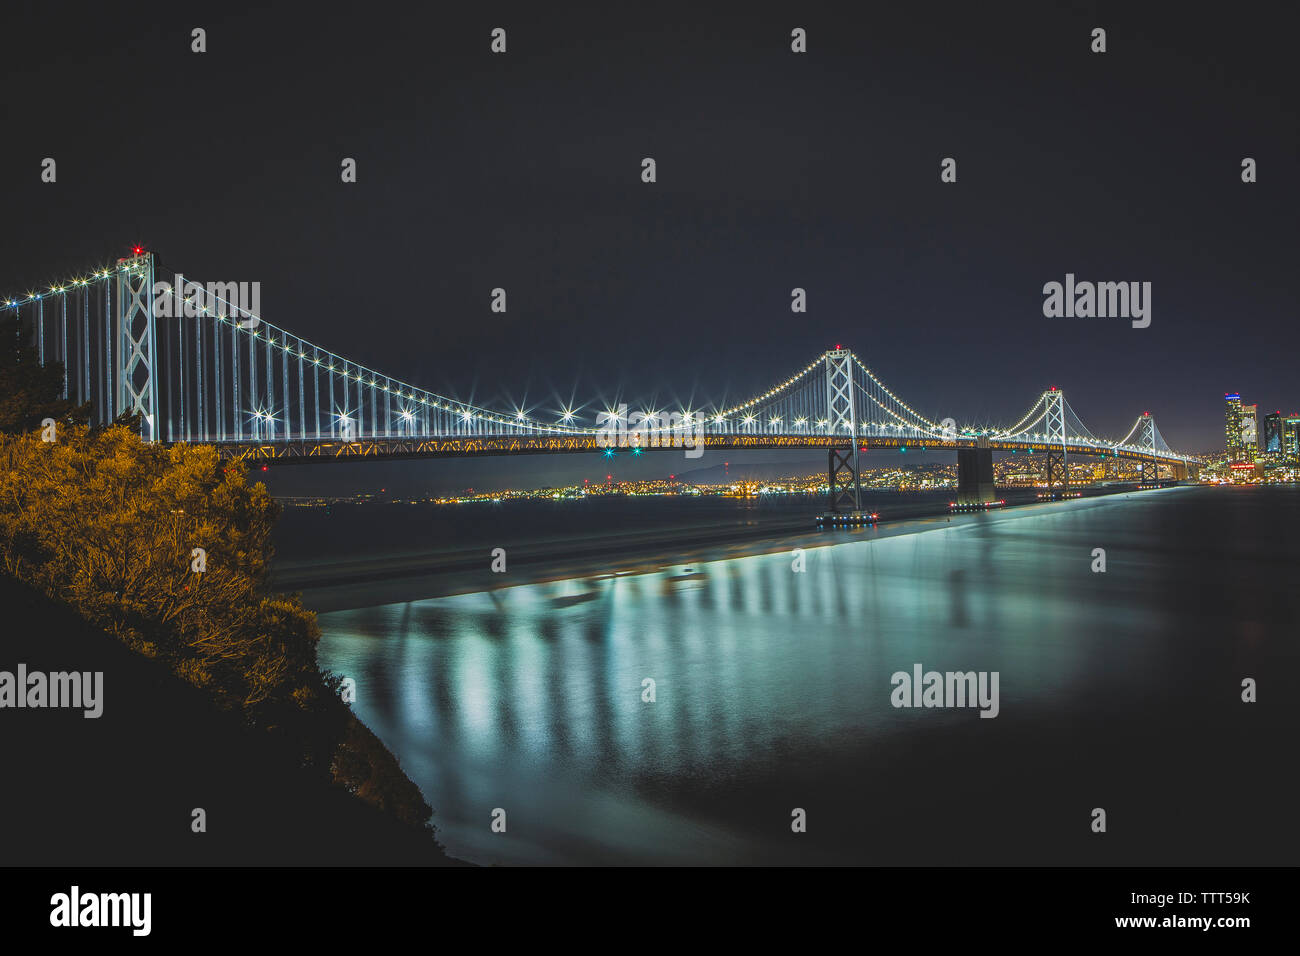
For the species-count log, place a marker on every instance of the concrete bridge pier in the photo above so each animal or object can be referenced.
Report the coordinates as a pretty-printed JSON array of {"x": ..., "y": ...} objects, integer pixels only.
[{"x": 975, "y": 475}]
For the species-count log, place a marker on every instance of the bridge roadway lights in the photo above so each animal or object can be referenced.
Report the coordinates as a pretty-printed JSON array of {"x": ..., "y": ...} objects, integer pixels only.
[
  {"x": 957, "y": 507},
  {"x": 846, "y": 519},
  {"x": 1058, "y": 495}
]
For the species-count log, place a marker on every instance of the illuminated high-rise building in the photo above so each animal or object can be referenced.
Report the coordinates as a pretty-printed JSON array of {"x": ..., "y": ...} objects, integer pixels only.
[
  {"x": 1270, "y": 441},
  {"x": 1291, "y": 439},
  {"x": 1249, "y": 432},
  {"x": 1232, "y": 426}
]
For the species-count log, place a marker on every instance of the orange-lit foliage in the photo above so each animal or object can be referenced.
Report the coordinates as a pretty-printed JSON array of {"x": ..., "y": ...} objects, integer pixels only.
[{"x": 108, "y": 523}]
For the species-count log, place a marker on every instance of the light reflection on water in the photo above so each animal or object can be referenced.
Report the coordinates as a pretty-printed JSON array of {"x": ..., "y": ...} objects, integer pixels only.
[{"x": 530, "y": 698}]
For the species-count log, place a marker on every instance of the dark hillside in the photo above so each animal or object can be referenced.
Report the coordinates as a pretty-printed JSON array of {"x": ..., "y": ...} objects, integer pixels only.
[{"x": 120, "y": 789}]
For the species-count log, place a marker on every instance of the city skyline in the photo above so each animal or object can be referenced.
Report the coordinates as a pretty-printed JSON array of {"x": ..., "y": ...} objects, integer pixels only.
[{"x": 1273, "y": 438}]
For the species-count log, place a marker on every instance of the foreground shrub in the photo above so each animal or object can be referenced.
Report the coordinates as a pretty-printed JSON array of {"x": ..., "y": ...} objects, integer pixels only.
[{"x": 167, "y": 549}]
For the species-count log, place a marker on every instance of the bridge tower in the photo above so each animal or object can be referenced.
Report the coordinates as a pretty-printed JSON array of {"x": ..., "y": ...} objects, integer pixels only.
[
  {"x": 1147, "y": 441},
  {"x": 135, "y": 344},
  {"x": 1058, "y": 462},
  {"x": 842, "y": 418}
]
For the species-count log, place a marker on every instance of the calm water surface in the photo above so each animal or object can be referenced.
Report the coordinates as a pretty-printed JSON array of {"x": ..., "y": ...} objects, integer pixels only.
[{"x": 1118, "y": 690}]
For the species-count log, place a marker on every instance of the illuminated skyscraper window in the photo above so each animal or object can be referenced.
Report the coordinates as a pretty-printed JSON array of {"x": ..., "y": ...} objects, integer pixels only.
[
  {"x": 1232, "y": 426},
  {"x": 1249, "y": 432}
]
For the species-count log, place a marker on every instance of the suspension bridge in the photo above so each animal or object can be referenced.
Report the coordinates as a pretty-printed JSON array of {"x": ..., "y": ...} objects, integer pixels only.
[{"x": 197, "y": 365}]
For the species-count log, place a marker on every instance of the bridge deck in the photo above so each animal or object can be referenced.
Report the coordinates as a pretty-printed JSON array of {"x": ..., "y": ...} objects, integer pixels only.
[{"x": 326, "y": 450}]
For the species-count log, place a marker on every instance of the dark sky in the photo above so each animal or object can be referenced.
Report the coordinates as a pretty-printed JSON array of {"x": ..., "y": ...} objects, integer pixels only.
[{"x": 775, "y": 170}]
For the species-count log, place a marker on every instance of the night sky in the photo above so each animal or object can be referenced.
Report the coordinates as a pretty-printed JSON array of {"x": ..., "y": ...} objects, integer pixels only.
[{"x": 775, "y": 170}]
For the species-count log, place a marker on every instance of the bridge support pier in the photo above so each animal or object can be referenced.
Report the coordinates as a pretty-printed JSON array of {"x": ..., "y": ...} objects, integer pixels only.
[
  {"x": 845, "y": 485},
  {"x": 1150, "y": 473},
  {"x": 975, "y": 476},
  {"x": 845, "y": 489},
  {"x": 1057, "y": 473}
]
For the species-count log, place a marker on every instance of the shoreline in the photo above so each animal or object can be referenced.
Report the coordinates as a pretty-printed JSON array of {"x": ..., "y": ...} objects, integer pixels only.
[{"x": 369, "y": 582}]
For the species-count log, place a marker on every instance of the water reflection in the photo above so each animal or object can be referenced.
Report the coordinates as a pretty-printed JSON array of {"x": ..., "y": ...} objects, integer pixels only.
[{"x": 772, "y": 686}]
